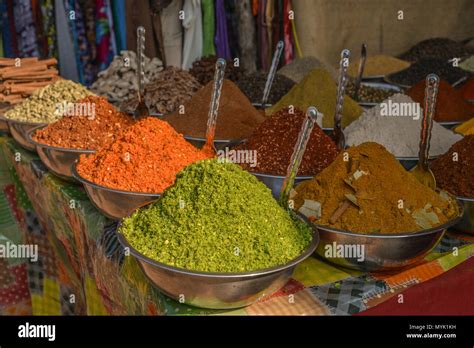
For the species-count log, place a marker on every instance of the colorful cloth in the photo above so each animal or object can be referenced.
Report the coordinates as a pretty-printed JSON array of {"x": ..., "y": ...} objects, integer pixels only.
[
  {"x": 208, "y": 28},
  {"x": 49, "y": 27},
  {"x": 118, "y": 9},
  {"x": 103, "y": 35},
  {"x": 25, "y": 29},
  {"x": 222, "y": 40}
]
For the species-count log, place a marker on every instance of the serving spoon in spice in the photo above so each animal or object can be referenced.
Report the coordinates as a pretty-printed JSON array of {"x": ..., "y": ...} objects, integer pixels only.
[
  {"x": 214, "y": 106},
  {"x": 338, "y": 134},
  {"x": 141, "y": 109},
  {"x": 297, "y": 156},
  {"x": 272, "y": 72},
  {"x": 422, "y": 170},
  {"x": 360, "y": 73}
]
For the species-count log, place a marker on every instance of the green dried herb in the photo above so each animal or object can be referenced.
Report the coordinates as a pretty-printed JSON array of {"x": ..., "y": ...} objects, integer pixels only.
[{"x": 217, "y": 218}]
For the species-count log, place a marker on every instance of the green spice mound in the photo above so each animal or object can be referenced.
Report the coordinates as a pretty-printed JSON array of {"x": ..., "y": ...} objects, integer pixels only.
[{"x": 217, "y": 218}]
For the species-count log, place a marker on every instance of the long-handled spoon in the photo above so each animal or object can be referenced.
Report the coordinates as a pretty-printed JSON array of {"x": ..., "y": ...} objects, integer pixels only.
[
  {"x": 272, "y": 72},
  {"x": 338, "y": 134},
  {"x": 422, "y": 170},
  {"x": 141, "y": 109},
  {"x": 297, "y": 156},
  {"x": 360, "y": 72},
  {"x": 214, "y": 106}
]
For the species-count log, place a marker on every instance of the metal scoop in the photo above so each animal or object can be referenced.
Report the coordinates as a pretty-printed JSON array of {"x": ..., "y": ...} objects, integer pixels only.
[
  {"x": 297, "y": 156},
  {"x": 272, "y": 72},
  {"x": 338, "y": 134},
  {"x": 360, "y": 72},
  {"x": 141, "y": 109},
  {"x": 214, "y": 107},
  {"x": 422, "y": 170}
]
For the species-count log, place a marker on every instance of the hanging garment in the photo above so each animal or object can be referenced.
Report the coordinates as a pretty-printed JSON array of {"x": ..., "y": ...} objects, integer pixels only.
[
  {"x": 7, "y": 46},
  {"x": 49, "y": 27},
  {"x": 221, "y": 39},
  {"x": 118, "y": 8},
  {"x": 263, "y": 44},
  {"x": 38, "y": 23},
  {"x": 103, "y": 35},
  {"x": 172, "y": 33},
  {"x": 25, "y": 29},
  {"x": 110, "y": 20},
  {"x": 247, "y": 37},
  {"x": 67, "y": 59},
  {"x": 288, "y": 38},
  {"x": 269, "y": 23},
  {"x": 232, "y": 27},
  {"x": 192, "y": 24},
  {"x": 208, "y": 27},
  {"x": 11, "y": 29}
]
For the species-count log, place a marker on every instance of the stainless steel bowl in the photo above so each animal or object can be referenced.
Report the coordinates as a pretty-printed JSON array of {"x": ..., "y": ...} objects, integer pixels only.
[
  {"x": 381, "y": 252},
  {"x": 113, "y": 203},
  {"x": 58, "y": 160},
  {"x": 410, "y": 162},
  {"x": 450, "y": 125},
  {"x": 218, "y": 144},
  {"x": 19, "y": 131},
  {"x": 217, "y": 290},
  {"x": 466, "y": 224},
  {"x": 275, "y": 182}
]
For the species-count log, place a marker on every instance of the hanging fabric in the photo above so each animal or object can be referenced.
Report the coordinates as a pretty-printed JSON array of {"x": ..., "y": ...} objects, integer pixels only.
[
  {"x": 192, "y": 24},
  {"x": 232, "y": 28},
  {"x": 103, "y": 35},
  {"x": 263, "y": 44},
  {"x": 110, "y": 20},
  {"x": 172, "y": 33},
  {"x": 49, "y": 28},
  {"x": 247, "y": 41},
  {"x": 287, "y": 34},
  {"x": 38, "y": 24},
  {"x": 118, "y": 8},
  {"x": 7, "y": 45},
  {"x": 25, "y": 29},
  {"x": 67, "y": 59},
  {"x": 269, "y": 22},
  {"x": 11, "y": 30},
  {"x": 221, "y": 39},
  {"x": 208, "y": 27}
]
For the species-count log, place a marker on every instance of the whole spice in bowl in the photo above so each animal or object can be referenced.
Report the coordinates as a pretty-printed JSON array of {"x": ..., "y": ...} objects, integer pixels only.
[
  {"x": 237, "y": 118},
  {"x": 369, "y": 93},
  {"x": 145, "y": 158},
  {"x": 378, "y": 65},
  {"x": 217, "y": 218},
  {"x": 91, "y": 131},
  {"x": 366, "y": 190},
  {"x": 440, "y": 48},
  {"x": 274, "y": 140},
  {"x": 204, "y": 68},
  {"x": 253, "y": 85}
]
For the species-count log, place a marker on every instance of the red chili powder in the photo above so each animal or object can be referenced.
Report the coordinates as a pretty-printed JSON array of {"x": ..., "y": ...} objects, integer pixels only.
[
  {"x": 467, "y": 89},
  {"x": 275, "y": 139},
  {"x": 450, "y": 105},
  {"x": 145, "y": 159},
  {"x": 91, "y": 130}
]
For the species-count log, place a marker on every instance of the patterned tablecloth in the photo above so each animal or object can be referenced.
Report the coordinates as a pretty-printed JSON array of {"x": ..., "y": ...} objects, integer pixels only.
[{"x": 81, "y": 268}]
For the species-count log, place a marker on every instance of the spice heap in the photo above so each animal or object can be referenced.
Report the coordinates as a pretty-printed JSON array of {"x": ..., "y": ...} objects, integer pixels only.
[
  {"x": 371, "y": 193},
  {"x": 274, "y": 141},
  {"x": 237, "y": 117},
  {"x": 450, "y": 105},
  {"x": 319, "y": 89},
  {"x": 466, "y": 128},
  {"x": 168, "y": 89},
  {"x": 42, "y": 105},
  {"x": 299, "y": 68},
  {"x": 379, "y": 65},
  {"x": 203, "y": 70},
  {"x": 441, "y": 48},
  {"x": 454, "y": 171},
  {"x": 400, "y": 134},
  {"x": 98, "y": 127},
  {"x": 419, "y": 70},
  {"x": 369, "y": 94},
  {"x": 17, "y": 82},
  {"x": 145, "y": 158},
  {"x": 217, "y": 218},
  {"x": 119, "y": 80},
  {"x": 253, "y": 85},
  {"x": 468, "y": 64},
  {"x": 467, "y": 90}
]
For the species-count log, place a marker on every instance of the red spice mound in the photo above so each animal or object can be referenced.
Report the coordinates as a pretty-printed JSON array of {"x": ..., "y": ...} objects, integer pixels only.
[
  {"x": 275, "y": 139},
  {"x": 467, "y": 89},
  {"x": 450, "y": 105},
  {"x": 145, "y": 159},
  {"x": 86, "y": 131},
  {"x": 454, "y": 171}
]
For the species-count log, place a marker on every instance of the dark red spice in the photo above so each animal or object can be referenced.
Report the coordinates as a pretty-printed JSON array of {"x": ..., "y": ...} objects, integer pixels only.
[
  {"x": 274, "y": 141},
  {"x": 467, "y": 89}
]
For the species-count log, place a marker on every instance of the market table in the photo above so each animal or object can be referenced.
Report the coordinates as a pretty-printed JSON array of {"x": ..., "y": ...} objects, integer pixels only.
[{"x": 82, "y": 269}]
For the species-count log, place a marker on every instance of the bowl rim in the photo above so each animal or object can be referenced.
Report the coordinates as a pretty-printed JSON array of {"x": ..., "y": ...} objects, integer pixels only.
[
  {"x": 465, "y": 199},
  {"x": 218, "y": 141},
  {"x": 310, "y": 249},
  {"x": 85, "y": 182},
  {"x": 424, "y": 232},
  {"x": 29, "y": 136},
  {"x": 415, "y": 158},
  {"x": 272, "y": 176},
  {"x": 10, "y": 120}
]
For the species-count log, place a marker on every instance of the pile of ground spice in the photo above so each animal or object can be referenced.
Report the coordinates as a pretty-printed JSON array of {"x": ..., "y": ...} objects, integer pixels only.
[
  {"x": 468, "y": 64},
  {"x": 422, "y": 68},
  {"x": 441, "y": 48},
  {"x": 204, "y": 69},
  {"x": 217, "y": 218},
  {"x": 168, "y": 90},
  {"x": 378, "y": 65},
  {"x": 399, "y": 134},
  {"x": 318, "y": 89},
  {"x": 100, "y": 126},
  {"x": 299, "y": 68},
  {"x": 274, "y": 140},
  {"x": 466, "y": 128},
  {"x": 450, "y": 105},
  {"x": 454, "y": 171},
  {"x": 236, "y": 119},
  {"x": 145, "y": 158},
  {"x": 366, "y": 190},
  {"x": 253, "y": 85},
  {"x": 467, "y": 90}
]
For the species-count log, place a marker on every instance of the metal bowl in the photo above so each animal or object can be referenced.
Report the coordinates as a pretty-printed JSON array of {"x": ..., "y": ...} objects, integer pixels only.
[
  {"x": 58, "y": 160},
  {"x": 466, "y": 224},
  {"x": 410, "y": 162},
  {"x": 218, "y": 144},
  {"x": 113, "y": 203},
  {"x": 451, "y": 124},
  {"x": 19, "y": 131},
  {"x": 3, "y": 124},
  {"x": 380, "y": 252},
  {"x": 275, "y": 182},
  {"x": 217, "y": 290}
]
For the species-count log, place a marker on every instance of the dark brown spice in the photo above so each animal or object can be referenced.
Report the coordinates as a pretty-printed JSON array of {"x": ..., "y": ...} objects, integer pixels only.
[
  {"x": 203, "y": 70},
  {"x": 253, "y": 85}
]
